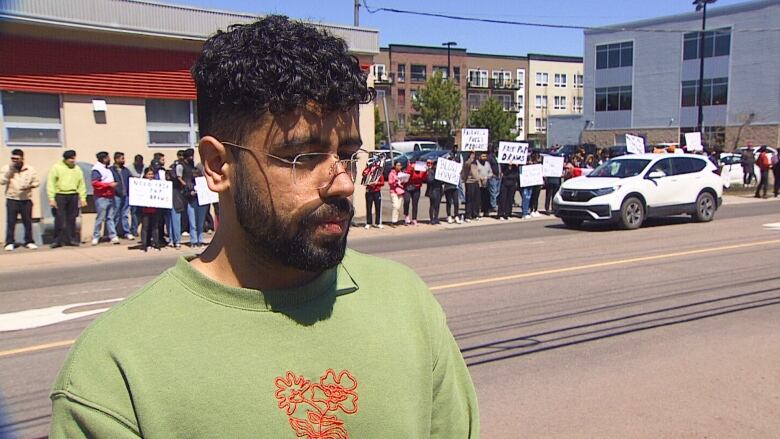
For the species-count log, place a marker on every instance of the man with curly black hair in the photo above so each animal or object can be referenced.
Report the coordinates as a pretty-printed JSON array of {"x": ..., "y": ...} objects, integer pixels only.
[{"x": 277, "y": 329}]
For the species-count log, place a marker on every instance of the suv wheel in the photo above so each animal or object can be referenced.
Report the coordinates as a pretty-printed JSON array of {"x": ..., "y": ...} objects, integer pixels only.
[
  {"x": 705, "y": 208},
  {"x": 632, "y": 213},
  {"x": 572, "y": 222}
]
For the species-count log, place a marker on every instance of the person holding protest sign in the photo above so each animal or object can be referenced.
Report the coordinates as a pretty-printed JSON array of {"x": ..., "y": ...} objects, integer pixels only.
[
  {"x": 510, "y": 174},
  {"x": 150, "y": 218},
  {"x": 374, "y": 194},
  {"x": 412, "y": 188},
  {"x": 484, "y": 175},
  {"x": 396, "y": 190},
  {"x": 471, "y": 177},
  {"x": 433, "y": 190},
  {"x": 551, "y": 186},
  {"x": 494, "y": 181},
  {"x": 536, "y": 190},
  {"x": 451, "y": 191}
]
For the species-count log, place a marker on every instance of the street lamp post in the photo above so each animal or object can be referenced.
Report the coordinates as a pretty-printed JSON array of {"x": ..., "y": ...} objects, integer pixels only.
[
  {"x": 449, "y": 44},
  {"x": 701, "y": 5}
]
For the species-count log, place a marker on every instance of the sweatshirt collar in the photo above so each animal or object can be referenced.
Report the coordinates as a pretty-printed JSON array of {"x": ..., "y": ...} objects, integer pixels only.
[{"x": 333, "y": 282}]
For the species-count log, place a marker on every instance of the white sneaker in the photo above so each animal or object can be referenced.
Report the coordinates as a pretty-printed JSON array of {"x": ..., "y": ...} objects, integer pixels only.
[
  {"x": 9, "y": 248},
  {"x": 458, "y": 220},
  {"x": 500, "y": 218},
  {"x": 32, "y": 246},
  {"x": 367, "y": 226},
  {"x": 380, "y": 226},
  {"x": 129, "y": 236},
  {"x": 527, "y": 217},
  {"x": 94, "y": 242},
  {"x": 450, "y": 220},
  {"x": 535, "y": 214},
  {"x": 185, "y": 233},
  {"x": 115, "y": 240},
  {"x": 509, "y": 218}
]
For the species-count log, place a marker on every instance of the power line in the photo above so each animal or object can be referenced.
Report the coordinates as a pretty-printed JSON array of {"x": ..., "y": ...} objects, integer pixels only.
[{"x": 371, "y": 10}]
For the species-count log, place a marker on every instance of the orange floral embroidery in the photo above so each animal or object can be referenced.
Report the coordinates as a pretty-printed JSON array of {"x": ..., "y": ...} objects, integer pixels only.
[{"x": 333, "y": 393}]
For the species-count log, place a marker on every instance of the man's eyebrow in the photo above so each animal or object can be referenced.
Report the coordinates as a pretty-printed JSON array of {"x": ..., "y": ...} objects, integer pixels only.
[
  {"x": 300, "y": 142},
  {"x": 351, "y": 141}
]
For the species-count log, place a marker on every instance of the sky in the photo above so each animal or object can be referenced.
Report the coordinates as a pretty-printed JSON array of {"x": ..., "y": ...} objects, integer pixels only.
[{"x": 475, "y": 37}]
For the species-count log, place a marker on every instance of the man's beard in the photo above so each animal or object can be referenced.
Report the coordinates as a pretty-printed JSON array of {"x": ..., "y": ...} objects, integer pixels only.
[{"x": 290, "y": 243}]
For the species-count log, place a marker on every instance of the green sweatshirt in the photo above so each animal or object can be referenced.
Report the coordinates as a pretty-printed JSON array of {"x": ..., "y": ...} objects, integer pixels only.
[
  {"x": 363, "y": 351},
  {"x": 66, "y": 180}
]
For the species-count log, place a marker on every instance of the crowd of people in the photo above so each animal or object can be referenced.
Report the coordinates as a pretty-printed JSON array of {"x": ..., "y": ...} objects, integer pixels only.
[
  {"x": 766, "y": 163},
  {"x": 115, "y": 218}
]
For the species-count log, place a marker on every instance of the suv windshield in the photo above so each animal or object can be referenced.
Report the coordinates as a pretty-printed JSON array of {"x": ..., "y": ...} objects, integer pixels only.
[{"x": 620, "y": 168}]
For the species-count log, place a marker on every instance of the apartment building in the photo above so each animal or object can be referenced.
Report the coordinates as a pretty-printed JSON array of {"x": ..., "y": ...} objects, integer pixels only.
[
  {"x": 401, "y": 70},
  {"x": 120, "y": 83},
  {"x": 555, "y": 87},
  {"x": 644, "y": 79}
]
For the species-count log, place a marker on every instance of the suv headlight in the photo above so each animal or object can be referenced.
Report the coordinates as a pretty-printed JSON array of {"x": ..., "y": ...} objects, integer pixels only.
[{"x": 604, "y": 191}]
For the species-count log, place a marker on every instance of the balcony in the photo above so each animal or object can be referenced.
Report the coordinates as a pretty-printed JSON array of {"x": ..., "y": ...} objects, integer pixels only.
[
  {"x": 495, "y": 84},
  {"x": 384, "y": 79}
]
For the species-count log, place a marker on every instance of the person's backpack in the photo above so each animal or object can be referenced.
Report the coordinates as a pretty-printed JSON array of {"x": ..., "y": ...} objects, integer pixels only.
[{"x": 763, "y": 161}]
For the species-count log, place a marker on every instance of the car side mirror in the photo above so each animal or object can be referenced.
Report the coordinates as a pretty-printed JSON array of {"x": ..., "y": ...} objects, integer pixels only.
[{"x": 656, "y": 174}]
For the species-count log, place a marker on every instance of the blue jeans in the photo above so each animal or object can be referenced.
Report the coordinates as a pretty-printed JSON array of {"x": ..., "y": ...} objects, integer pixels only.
[
  {"x": 174, "y": 227},
  {"x": 494, "y": 188},
  {"x": 196, "y": 214},
  {"x": 121, "y": 207},
  {"x": 527, "y": 192},
  {"x": 105, "y": 214},
  {"x": 135, "y": 219}
]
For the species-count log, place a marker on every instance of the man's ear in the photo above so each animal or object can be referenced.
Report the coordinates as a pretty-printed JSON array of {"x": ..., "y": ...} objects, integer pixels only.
[{"x": 213, "y": 156}]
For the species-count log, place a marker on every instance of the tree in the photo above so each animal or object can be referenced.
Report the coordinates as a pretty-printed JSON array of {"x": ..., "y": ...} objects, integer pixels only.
[
  {"x": 438, "y": 104},
  {"x": 491, "y": 115},
  {"x": 379, "y": 127}
]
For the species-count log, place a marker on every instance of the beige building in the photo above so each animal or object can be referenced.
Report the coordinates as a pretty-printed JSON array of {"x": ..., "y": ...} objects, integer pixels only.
[
  {"x": 121, "y": 83},
  {"x": 555, "y": 87}
]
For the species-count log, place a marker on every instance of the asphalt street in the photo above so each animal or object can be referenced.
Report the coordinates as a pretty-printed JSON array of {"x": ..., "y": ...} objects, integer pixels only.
[{"x": 666, "y": 331}]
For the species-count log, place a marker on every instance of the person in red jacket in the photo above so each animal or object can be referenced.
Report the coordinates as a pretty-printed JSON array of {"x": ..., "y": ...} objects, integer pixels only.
[
  {"x": 764, "y": 163},
  {"x": 103, "y": 191},
  {"x": 412, "y": 192},
  {"x": 374, "y": 195}
]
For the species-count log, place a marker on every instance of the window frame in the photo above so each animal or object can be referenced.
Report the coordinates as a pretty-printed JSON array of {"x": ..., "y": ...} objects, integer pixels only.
[
  {"x": 614, "y": 98},
  {"x": 542, "y": 79},
  {"x": 717, "y": 42},
  {"x": 424, "y": 73},
  {"x": 31, "y": 125},
  {"x": 615, "y": 55},
  {"x": 561, "y": 80},
  {"x": 192, "y": 128},
  {"x": 559, "y": 102},
  {"x": 481, "y": 78},
  {"x": 401, "y": 72}
]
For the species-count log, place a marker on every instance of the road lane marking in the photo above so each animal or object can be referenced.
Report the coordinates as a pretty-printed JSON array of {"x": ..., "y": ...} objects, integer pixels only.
[
  {"x": 492, "y": 280},
  {"x": 602, "y": 264},
  {"x": 40, "y": 347},
  {"x": 772, "y": 226},
  {"x": 39, "y": 317}
]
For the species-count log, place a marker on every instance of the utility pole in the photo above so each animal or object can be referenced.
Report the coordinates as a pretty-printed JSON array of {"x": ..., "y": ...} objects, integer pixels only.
[
  {"x": 449, "y": 44},
  {"x": 701, "y": 5},
  {"x": 357, "y": 13}
]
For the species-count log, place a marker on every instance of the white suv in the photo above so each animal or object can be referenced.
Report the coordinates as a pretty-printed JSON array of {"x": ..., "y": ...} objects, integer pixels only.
[{"x": 628, "y": 189}]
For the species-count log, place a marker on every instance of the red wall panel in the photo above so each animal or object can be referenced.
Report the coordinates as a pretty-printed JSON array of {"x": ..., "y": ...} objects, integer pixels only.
[{"x": 67, "y": 67}]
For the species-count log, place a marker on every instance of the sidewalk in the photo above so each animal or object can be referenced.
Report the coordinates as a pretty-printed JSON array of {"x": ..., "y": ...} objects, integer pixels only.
[{"x": 24, "y": 259}]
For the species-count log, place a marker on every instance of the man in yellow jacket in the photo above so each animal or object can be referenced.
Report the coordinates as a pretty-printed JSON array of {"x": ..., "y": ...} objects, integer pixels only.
[{"x": 67, "y": 192}]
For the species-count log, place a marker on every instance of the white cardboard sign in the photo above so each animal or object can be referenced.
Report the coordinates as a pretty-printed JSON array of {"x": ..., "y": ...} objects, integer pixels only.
[
  {"x": 693, "y": 141},
  {"x": 448, "y": 171},
  {"x": 634, "y": 144},
  {"x": 513, "y": 153},
  {"x": 151, "y": 193},
  {"x": 205, "y": 195},
  {"x": 531, "y": 175},
  {"x": 420, "y": 166},
  {"x": 474, "y": 139},
  {"x": 552, "y": 166}
]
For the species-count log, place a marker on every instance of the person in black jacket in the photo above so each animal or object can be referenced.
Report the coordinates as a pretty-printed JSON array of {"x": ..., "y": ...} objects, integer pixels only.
[
  {"x": 433, "y": 191},
  {"x": 510, "y": 175},
  {"x": 451, "y": 191}
]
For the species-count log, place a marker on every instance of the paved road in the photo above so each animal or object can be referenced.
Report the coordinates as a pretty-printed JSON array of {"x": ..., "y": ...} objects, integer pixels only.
[{"x": 667, "y": 331}]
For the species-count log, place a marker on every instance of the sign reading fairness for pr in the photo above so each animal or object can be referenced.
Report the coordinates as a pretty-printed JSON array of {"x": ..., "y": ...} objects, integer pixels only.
[
  {"x": 151, "y": 193},
  {"x": 474, "y": 139},
  {"x": 513, "y": 153},
  {"x": 531, "y": 175},
  {"x": 448, "y": 171}
]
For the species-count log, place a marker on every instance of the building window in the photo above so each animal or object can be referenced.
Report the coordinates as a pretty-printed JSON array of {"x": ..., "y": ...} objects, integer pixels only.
[
  {"x": 378, "y": 70},
  {"x": 610, "y": 56},
  {"x": 418, "y": 73},
  {"x": 31, "y": 119},
  {"x": 380, "y": 94},
  {"x": 478, "y": 78},
  {"x": 521, "y": 77},
  {"x": 520, "y": 102},
  {"x": 541, "y": 79},
  {"x": 401, "y": 72},
  {"x": 541, "y": 101},
  {"x": 578, "y": 81},
  {"x": 414, "y": 95},
  {"x": 505, "y": 101},
  {"x": 714, "y": 92},
  {"x": 442, "y": 69},
  {"x": 560, "y": 80},
  {"x": 171, "y": 123},
  {"x": 502, "y": 79},
  {"x": 402, "y": 98},
  {"x": 613, "y": 98},
  {"x": 716, "y": 43},
  {"x": 578, "y": 104},
  {"x": 401, "y": 120},
  {"x": 476, "y": 100},
  {"x": 560, "y": 102},
  {"x": 541, "y": 124},
  {"x": 520, "y": 124},
  {"x": 456, "y": 74}
]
